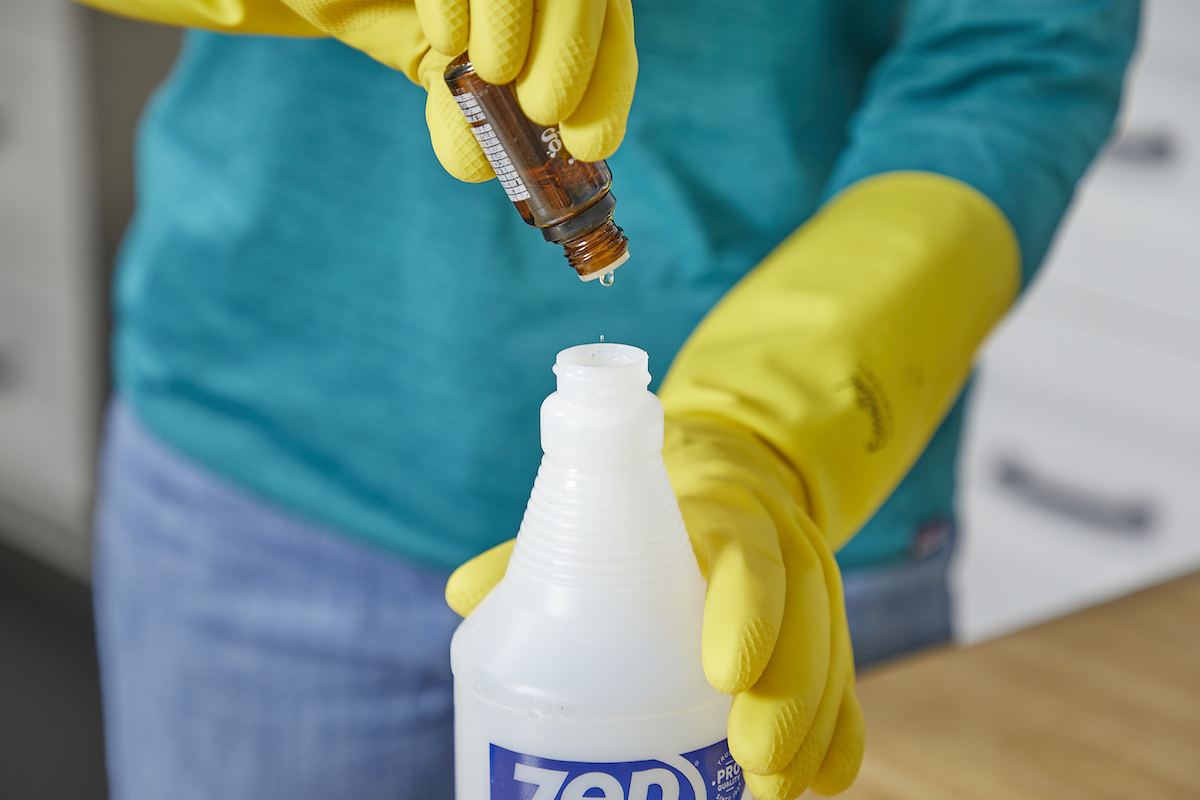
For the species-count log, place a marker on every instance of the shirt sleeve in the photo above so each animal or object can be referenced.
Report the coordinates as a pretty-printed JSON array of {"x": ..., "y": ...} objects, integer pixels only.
[{"x": 1012, "y": 97}]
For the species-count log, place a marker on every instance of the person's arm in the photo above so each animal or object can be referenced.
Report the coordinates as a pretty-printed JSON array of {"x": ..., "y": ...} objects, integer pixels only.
[
  {"x": 1011, "y": 97},
  {"x": 808, "y": 392},
  {"x": 822, "y": 376},
  {"x": 573, "y": 62},
  {"x": 227, "y": 16}
]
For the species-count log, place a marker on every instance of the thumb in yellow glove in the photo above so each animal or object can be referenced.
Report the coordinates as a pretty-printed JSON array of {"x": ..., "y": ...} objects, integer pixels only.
[
  {"x": 573, "y": 61},
  {"x": 792, "y": 412}
]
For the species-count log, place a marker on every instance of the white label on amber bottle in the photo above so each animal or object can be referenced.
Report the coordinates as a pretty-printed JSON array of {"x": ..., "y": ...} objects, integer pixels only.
[{"x": 492, "y": 149}]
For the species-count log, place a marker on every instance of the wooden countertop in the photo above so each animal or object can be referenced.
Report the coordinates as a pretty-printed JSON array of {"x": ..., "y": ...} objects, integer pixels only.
[{"x": 1104, "y": 703}]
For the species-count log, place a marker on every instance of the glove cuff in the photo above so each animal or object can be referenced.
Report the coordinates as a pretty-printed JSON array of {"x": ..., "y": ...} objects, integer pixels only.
[{"x": 847, "y": 345}]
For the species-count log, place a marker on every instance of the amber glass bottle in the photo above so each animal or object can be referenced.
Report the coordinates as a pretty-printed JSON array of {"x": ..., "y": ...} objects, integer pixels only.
[{"x": 568, "y": 199}]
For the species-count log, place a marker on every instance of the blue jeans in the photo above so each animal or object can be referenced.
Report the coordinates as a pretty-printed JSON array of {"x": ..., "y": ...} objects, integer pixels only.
[
  {"x": 248, "y": 654},
  {"x": 896, "y": 609}
]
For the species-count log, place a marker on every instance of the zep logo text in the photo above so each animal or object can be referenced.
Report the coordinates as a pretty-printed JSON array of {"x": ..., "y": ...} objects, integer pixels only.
[{"x": 707, "y": 774}]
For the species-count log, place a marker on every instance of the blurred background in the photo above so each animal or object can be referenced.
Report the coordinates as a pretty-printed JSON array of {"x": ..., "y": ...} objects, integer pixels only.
[{"x": 1080, "y": 482}]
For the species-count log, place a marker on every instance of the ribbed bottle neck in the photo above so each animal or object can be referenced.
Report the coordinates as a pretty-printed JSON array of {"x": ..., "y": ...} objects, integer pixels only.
[{"x": 602, "y": 526}]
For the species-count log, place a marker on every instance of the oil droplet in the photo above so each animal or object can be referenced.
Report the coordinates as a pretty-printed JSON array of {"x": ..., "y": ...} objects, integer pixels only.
[{"x": 607, "y": 279}]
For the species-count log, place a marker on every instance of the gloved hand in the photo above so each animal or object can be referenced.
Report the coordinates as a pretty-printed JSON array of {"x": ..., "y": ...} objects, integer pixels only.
[
  {"x": 775, "y": 632},
  {"x": 792, "y": 412},
  {"x": 573, "y": 61}
]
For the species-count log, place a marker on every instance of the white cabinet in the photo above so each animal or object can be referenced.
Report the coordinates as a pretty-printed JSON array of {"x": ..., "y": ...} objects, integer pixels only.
[
  {"x": 51, "y": 289},
  {"x": 1081, "y": 480}
]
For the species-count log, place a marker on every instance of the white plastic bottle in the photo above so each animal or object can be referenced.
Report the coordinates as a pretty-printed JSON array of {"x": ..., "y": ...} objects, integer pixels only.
[{"x": 579, "y": 675}]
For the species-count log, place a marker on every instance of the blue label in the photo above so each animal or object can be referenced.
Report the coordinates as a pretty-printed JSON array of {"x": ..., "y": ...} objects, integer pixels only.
[{"x": 708, "y": 774}]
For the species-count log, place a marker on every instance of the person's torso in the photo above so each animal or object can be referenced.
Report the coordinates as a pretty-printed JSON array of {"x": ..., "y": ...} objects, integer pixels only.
[{"x": 311, "y": 306}]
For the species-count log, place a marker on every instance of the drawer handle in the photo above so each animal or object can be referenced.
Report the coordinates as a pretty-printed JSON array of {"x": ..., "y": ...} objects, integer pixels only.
[
  {"x": 1090, "y": 507},
  {"x": 1151, "y": 148}
]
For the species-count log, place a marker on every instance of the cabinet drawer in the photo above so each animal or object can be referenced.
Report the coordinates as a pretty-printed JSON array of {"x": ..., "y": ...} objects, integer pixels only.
[
  {"x": 28, "y": 19},
  {"x": 1133, "y": 232},
  {"x": 1168, "y": 35},
  {"x": 1145, "y": 384},
  {"x": 46, "y": 410},
  {"x": 1064, "y": 504},
  {"x": 45, "y": 184},
  {"x": 29, "y": 215}
]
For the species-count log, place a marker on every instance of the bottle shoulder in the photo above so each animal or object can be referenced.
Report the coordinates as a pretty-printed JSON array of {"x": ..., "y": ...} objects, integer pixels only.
[{"x": 576, "y": 650}]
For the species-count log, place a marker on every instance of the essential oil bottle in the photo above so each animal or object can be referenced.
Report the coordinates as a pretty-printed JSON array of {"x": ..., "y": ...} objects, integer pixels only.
[{"x": 568, "y": 199}]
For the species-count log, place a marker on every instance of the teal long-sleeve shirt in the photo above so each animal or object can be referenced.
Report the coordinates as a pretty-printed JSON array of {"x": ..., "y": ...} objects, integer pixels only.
[{"x": 310, "y": 306}]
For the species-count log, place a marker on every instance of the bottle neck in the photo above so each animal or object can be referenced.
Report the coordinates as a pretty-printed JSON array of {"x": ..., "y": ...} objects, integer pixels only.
[
  {"x": 602, "y": 415},
  {"x": 598, "y": 252},
  {"x": 602, "y": 526},
  {"x": 602, "y": 508}
]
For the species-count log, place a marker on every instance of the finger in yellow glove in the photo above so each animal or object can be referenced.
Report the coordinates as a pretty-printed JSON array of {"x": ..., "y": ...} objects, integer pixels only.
[
  {"x": 775, "y": 633},
  {"x": 573, "y": 61},
  {"x": 792, "y": 412}
]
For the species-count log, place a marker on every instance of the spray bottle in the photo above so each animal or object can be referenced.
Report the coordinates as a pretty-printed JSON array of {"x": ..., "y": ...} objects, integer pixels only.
[{"x": 580, "y": 675}]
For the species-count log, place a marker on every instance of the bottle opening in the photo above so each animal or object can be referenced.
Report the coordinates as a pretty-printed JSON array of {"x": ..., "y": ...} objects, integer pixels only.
[
  {"x": 601, "y": 413},
  {"x": 603, "y": 362},
  {"x": 601, "y": 354},
  {"x": 605, "y": 274}
]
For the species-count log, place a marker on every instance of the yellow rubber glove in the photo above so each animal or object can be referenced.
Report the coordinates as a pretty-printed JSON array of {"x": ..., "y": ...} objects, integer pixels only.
[
  {"x": 793, "y": 411},
  {"x": 229, "y": 16},
  {"x": 573, "y": 61}
]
